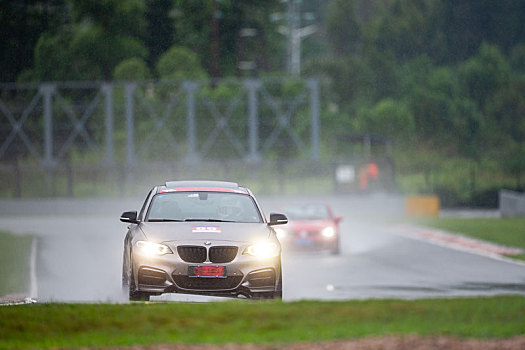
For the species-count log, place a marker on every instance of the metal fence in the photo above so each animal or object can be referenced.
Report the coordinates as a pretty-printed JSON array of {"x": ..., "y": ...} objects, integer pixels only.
[
  {"x": 53, "y": 135},
  {"x": 189, "y": 121}
]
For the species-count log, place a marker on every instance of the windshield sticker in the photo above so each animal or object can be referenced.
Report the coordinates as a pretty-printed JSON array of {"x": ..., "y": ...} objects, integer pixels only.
[{"x": 205, "y": 228}]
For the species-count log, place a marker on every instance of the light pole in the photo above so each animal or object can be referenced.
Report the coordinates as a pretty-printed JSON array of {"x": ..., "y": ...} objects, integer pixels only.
[{"x": 295, "y": 34}]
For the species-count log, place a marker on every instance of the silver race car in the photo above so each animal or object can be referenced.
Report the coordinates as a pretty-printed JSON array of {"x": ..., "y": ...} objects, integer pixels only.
[{"x": 201, "y": 237}]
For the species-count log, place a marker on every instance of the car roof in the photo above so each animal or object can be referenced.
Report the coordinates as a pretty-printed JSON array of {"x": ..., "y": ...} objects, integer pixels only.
[{"x": 215, "y": 186}]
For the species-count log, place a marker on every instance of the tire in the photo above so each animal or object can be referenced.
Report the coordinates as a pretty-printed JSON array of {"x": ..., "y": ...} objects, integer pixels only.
[
  {"x": 279, "y": 288},
  {"x": 277, "y": 294},
  {"x": 133, "y": 294},
  {"x": 336, "y": 250}
]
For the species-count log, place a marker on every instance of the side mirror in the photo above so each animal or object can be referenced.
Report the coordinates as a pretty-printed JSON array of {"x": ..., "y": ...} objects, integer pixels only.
[
  {"x": 129, "y": 217},
  {"x": 338, "y": 219},
  {"x": 277, "y": 219}
]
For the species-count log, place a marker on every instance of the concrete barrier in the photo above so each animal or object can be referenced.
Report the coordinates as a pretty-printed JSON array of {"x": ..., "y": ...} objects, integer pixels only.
[{"x": 511, "y": 203}]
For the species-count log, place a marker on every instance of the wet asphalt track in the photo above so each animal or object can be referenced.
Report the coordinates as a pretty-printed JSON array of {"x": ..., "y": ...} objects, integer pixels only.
[{"x": 79, "y": 254}]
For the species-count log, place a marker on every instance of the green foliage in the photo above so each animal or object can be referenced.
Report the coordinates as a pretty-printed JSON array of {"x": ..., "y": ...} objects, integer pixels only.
[
  {"x": 103, "y": 34},
  {"x": 507, "y": 108},
  {"x": 115, "y": 17},
  {"x": 160, "y": 30},
  {"x": 214, "y": 34},
  {"x": 14, "y": 263},
  {"x": 485, "y": 73},
  {"x": 403, "y": 30},
  {"x": 514, "y": 162},
  {"x": 53, "y": 57},
  {"x": 132, "y": 69},
  {"x": 179, "y": 63},
  {"x": 343, "y": 27},
  {"x": 517, "y": 58},
  {"x": 21, "y": 24},
  {"x": 96, "y": 49},
  {"x": 445, "y": 76},
  {"x": 390, "y": 118},
  {"x": 49, "y": 325}
]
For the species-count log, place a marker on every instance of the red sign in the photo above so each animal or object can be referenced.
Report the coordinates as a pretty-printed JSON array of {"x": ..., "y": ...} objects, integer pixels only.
[{"x": 207, "y": 271}]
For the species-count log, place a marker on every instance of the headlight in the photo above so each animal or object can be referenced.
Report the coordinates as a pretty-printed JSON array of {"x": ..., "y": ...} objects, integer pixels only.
[
  {"x": 263, "y": 250},
  {"x": 280, "y": 232},
  {"x": 150, "y": 248},
  {"x": 328, "y": 232}
]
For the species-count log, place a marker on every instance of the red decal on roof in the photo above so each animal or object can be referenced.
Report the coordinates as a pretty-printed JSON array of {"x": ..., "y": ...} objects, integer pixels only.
[
  {"x": 205, "y": 228},
  {"x": 206, "y": 189}
]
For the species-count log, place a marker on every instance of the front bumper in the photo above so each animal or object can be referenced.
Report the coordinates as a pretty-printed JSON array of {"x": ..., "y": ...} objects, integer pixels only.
[{"x": 245, "y": 275}]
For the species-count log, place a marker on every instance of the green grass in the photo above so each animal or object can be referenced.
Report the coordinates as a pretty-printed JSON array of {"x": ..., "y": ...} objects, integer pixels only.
[
  {"x": 505, "y": 231},
  {"x": 14, "y": 263},
  {"x": 97, "y": 325}
]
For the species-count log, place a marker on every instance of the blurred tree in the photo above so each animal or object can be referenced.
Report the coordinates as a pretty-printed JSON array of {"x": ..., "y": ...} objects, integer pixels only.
[
  {"x": 385, "y": 68},
  {"x": 108, "y": 32},
  {"x": 343, "y": 27},
  {"x": 21, "y": 23},
  {"x": 102, "y": 34},
  {"x": 403, "y": 29},
  {"x": 212, "y": 26},
  {"x": 350, "y": 79},
  {"x": 160, "y": 28},
  {"x": 515, "y": 162},
  {"x": 132, "y": 69},
  {"x": 465, "y": 24},
  {"x": 485, "y": 73},
  {"x": 517, "y": 58},
  {"x": 53, "y": 60},
  {"x": 506, "y": 110},
  {"x": 180, "y": 63},
  {"x": 389, "y": 118}
]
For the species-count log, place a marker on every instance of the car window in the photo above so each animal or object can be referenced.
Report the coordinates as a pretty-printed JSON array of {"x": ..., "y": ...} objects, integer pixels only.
[
  {"x": 307, "y": 212},
  {"x": 201, "y": 205}
]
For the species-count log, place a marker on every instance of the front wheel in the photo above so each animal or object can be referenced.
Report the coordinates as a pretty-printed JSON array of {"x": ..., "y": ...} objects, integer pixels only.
[
  {"x": 277, "y": 294},
  {"x": 129, "y": 286},
  {"x": 336, "y": 249}
]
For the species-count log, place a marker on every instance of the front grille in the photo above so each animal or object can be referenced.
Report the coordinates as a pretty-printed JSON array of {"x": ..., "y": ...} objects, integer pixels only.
[
  {"x": 221, "y": 255},
  {"x": 191, "y": 253},
  {"x": 197, "y": 283}
]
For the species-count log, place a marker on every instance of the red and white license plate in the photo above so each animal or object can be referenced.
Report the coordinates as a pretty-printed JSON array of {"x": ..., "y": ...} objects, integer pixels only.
[{"x": 210, "y": 271}]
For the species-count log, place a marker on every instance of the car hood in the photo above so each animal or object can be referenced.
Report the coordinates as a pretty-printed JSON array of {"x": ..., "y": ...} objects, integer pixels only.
[{"x": 213, "y": 231}]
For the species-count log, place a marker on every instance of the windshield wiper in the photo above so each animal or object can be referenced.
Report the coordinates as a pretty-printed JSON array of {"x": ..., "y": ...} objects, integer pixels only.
[
  {"x": 165, "y": 220},
  {"x": 209, "y": 220}
]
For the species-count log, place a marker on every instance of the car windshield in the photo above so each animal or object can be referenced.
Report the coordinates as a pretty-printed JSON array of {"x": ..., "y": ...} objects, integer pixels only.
[
  {"x": 307, "y": 212},
  {"x": 203, "y": 206}
]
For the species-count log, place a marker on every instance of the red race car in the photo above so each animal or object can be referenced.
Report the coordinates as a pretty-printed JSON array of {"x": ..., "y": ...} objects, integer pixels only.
[{"x": 310, "y": 226}]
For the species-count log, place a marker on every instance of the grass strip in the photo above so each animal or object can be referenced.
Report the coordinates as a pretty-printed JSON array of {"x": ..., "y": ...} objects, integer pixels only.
[
  {"x": 14, "y": 263},
  {"x": 273, "y": 322},
  {"x": 505, "y": 231}
]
